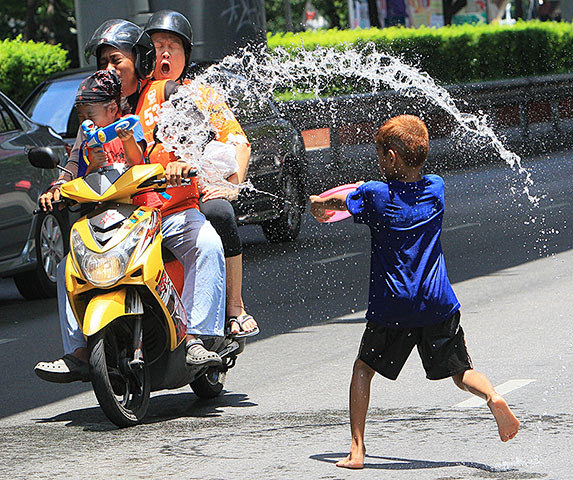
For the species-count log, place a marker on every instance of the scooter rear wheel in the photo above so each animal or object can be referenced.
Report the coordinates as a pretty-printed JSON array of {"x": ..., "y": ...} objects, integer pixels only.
[
  {"x": 210, "y": 384},
  {"x": 122, "y": 393}
]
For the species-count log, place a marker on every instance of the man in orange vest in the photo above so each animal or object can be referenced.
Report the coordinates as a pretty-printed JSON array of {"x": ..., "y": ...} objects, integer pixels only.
[{"x": 172, "y": 36}]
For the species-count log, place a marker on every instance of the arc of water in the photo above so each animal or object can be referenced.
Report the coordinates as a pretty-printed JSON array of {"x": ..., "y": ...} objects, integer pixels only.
[{"x": 258, "y": 74}]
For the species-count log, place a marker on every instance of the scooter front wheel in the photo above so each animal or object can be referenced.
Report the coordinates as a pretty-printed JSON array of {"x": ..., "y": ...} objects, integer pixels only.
[{"x": 122, "y": 391}]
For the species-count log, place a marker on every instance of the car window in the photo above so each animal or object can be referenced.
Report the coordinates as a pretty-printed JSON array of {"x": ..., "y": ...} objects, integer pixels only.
[
  {"x": 249, "y": 110},
  {"x": 7, "y": 124},
  {"x": 73, "y": 123},
  {"x": 52, "y": 105}
]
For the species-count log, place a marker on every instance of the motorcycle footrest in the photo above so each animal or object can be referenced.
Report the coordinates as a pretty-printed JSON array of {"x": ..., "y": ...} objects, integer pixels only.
[{"x": 231, "y": 348}]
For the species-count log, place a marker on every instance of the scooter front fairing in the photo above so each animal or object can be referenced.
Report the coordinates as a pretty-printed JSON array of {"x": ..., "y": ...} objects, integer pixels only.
[{"x": 115, "y": 250}]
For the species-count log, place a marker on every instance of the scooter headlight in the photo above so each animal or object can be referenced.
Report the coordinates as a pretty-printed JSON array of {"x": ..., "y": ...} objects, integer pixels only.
[{"x": 104, "y": 269}]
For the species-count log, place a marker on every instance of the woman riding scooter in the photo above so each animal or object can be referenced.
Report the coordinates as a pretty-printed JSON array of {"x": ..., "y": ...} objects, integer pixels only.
[{"x": 124, "y": 47}]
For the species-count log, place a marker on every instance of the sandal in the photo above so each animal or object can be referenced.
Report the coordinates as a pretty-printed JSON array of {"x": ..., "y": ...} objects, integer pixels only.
[
  {"x": 240, "y": 320},
  {"x": 63, "y": 370}
]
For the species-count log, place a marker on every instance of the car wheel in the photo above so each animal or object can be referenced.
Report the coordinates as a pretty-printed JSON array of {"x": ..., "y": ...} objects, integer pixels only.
[
  {"x": 51, "y": 247},
  {"x": 286, "y": 227}
]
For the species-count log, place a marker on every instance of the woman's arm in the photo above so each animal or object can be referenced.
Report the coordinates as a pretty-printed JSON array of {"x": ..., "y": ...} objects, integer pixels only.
[
  {"x": 53, "y": 193},
  {"x": 73, "y": 159},
  {"x": 243, "y": 157}
]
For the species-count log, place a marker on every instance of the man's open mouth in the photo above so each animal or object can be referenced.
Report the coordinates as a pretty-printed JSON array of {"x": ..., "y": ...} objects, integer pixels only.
[{"x": 165, "y": 68}]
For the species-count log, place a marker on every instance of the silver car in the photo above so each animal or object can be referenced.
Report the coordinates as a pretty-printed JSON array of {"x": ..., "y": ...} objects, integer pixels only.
[{"x": 31, "y": 245}]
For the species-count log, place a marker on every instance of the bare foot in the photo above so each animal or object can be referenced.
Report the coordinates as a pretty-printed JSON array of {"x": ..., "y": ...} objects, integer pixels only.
[
  {"x": 354, "y": 460},
  {"x": 507, "y": 423}
]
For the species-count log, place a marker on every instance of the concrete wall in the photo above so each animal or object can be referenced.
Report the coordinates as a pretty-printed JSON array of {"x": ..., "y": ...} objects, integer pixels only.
[
  {"x": 219, "y": 26},
  {"x": 529, "y": 115}
]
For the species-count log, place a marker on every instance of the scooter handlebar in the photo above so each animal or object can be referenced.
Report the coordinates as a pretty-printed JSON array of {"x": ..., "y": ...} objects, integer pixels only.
[
  {"x": 55, "y": 203},
  {"x": 162, "y": 181}
]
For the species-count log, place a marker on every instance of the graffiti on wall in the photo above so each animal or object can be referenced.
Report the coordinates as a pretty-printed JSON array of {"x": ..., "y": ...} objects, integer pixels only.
[{"x": 244, "y": 13}]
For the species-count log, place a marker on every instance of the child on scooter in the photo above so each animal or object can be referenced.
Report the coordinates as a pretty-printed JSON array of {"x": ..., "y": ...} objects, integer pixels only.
[
  {"x": 99, "y": 99},
  {"x": 411, "y": 301}
]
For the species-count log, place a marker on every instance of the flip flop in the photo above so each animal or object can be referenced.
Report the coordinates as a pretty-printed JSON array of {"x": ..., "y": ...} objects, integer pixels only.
[{"x": 240, "y": 320}]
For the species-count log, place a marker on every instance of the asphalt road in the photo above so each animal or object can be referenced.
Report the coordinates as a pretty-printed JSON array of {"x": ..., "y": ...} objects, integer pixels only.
[{"x": 284, "y": 413}]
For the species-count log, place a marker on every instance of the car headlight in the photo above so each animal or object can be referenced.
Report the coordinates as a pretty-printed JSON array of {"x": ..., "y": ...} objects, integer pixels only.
[{"x": 104, "y": 269}]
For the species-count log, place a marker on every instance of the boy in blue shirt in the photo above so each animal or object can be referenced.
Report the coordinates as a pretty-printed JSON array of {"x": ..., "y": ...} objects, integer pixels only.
[{"x": 411, "y": 301}]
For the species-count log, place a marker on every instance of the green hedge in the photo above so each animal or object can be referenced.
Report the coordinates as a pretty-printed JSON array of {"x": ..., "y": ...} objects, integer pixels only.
[
  {"x": 25, "y": 64},
  {"x": 458, "y": 53}
]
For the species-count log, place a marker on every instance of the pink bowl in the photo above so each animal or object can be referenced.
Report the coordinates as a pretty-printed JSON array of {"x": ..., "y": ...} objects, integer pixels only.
[{"x": 344, "y": 189}]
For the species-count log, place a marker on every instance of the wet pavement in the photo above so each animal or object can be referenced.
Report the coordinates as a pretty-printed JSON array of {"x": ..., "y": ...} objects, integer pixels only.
[{"x": 284, "y": 413}]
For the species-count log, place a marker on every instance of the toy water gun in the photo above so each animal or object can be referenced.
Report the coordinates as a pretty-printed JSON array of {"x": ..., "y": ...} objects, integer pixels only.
[{"x": 99, "y": 136}]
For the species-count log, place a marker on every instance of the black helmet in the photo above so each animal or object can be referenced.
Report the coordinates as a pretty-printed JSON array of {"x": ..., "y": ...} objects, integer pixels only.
[
  {"x": 174, "y": 22},
  {"x": 128, "y": 37}
]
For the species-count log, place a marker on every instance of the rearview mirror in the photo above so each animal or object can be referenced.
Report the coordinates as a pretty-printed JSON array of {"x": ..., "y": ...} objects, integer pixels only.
[{"x": 42, "y": 157}]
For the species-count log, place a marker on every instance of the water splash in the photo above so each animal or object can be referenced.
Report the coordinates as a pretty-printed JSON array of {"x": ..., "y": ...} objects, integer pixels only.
[
  {"x": 184, "y": 128},
  {"x": 252, "y": 76}
]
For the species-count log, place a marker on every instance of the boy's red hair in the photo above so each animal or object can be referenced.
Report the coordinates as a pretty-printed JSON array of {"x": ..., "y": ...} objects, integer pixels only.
[{"x": 408, "y": 136}]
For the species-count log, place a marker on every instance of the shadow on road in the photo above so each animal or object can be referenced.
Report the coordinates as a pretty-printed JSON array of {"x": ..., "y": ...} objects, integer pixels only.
[
  {"x": 162, "y": 407},
  {"x": 393, "y": 463}
]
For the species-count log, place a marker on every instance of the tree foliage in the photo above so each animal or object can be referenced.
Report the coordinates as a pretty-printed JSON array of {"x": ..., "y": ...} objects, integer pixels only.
[
  {"x": 49, "y": 21},
  {"x": 453, "y": 54},
  {"x": 335, "y": 11}
]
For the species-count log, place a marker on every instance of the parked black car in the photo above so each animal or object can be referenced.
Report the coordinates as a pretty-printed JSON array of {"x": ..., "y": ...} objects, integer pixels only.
[
  {"x": 31, "y": 245},
  {"x": 277, "y": 161}
]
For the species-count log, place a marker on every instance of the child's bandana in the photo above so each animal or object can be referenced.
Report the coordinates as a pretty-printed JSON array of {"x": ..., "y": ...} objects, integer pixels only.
[{"x": 103, "y": 85}]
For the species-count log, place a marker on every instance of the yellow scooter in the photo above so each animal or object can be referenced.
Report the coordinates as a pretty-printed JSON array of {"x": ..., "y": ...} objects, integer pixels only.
[{"x": 125, "y": 289}]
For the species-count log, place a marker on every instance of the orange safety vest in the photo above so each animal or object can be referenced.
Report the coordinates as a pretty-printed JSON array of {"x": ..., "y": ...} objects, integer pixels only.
[
  {"x": 226, "y": 126},
  {"x": 148, "y": 105}
]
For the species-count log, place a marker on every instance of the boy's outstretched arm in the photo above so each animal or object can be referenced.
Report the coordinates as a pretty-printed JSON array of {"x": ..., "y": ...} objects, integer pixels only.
[{"x": 319, "y": 205}]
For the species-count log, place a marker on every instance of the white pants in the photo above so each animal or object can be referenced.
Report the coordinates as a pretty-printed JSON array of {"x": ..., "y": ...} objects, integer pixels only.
[{"x": 196, "y": 244}]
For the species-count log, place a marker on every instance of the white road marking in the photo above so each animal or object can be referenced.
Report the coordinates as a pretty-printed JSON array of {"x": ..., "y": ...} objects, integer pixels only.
[
  {"x": 458, "y": 227},
  {"x": 501, "y": 389},
  {"x": 551, "y": 207},
  {"x": 335, "y": 259},
  {"x": 352, "y": 316},
  {"x": 6, "y": 340}
]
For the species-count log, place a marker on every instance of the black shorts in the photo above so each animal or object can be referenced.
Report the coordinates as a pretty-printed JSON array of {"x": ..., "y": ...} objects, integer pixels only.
[{"x": 442, "y": 348}]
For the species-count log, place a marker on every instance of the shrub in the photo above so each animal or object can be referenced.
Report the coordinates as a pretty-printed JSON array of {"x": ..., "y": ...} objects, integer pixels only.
[
  {"x": 457, "y": 53},
  {"x": 25, "y": 64}
]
